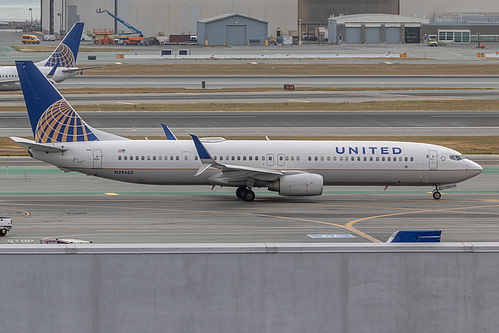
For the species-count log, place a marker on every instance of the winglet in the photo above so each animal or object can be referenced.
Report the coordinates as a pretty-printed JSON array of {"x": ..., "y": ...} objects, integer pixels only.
[
  {"x": 169, "y": 134},
  {"x": 415, "y": 236},
  {"x": 204, "y": 156}
]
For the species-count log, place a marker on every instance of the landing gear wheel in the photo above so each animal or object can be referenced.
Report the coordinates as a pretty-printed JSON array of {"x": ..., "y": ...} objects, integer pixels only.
[
  {"x": 437, "y": 195},
  {"x": 240, "y": 190},
  {"x": 248, "y": 195},
  {"x": 3, "y": 232}
]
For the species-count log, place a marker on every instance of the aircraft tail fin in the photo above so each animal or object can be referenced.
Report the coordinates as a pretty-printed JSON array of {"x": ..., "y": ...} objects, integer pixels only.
[
  {"x": 52, "y": 118},
  {"x": 66, "y": 52}
]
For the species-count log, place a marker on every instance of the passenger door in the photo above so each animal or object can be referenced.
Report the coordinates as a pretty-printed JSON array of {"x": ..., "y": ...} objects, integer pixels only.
[{"x": 433, "y": 159}]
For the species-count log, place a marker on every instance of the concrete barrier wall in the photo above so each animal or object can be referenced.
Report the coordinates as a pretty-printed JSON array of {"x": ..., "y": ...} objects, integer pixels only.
[{"x": 250, "y": 288}]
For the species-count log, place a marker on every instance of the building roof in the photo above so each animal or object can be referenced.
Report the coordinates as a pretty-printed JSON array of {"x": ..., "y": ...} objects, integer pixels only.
[
  {"x": 224, "y": 16},
  {"x": 378, "y": 18}
]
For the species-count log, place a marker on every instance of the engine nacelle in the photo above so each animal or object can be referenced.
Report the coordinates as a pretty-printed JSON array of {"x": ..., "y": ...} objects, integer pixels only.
[{"x": 302, "y": 184}]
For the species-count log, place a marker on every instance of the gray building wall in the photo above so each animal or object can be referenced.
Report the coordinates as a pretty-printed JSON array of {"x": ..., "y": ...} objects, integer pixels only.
[
  {"x": 446, "y": 287},
  {"x": 170, "y": 16},
  {"x": 233, "y": 30}
]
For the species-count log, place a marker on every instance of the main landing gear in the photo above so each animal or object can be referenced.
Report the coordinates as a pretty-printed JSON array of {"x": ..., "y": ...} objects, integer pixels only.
[
  {"x": 436, "y": 194},
  {"x": 245, "y": 193}
]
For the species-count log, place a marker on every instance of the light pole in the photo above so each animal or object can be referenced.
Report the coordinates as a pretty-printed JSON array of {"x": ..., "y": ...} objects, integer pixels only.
[
  {"x": 60, "y": 25},
  {"x": 31, "y": 12},
  {"x": 299, "y": 31}
]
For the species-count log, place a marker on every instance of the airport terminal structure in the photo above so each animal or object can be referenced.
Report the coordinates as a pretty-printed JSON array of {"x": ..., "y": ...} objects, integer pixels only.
[{"x": 359, "y": 21}]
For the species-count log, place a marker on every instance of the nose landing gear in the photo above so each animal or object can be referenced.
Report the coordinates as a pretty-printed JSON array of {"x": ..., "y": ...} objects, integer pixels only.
[{"x": 436, "y": 194}]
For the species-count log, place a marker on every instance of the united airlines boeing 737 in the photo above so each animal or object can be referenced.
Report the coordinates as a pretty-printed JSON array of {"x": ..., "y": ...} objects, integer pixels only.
[
  {"x": 61, "y": 65},
  {"x": 291, "y": 168}
]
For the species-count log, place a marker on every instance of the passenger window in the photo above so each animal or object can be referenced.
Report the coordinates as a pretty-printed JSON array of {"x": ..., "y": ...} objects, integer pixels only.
[
  {"x": 186, "y": 158},
  {"x": 297, "y": 158},
  {"x": 137, "y": 158},
  {"x": 250, "y": 158},
  {"x": 334, "y": 158},
  {"x": 171, "y": 158},
  {"x": 119, "y": 158},
  {"x": 358, "y": 158},
  {"x": 256, "y": 158},
  {"x": 316, "y": 158},
  {"x": 365, "y": 158},
  {"x": 412, "y": 159},
  {"x": 341, "y": 158},
  {"x": 233, "y": 158},
  {"x": 346, "y": 158},
  {"x": 309, "y": 158},
  {"x": 196, "y": 158},
  {"x": 280, "y": 158},
  {"x": 244, "y": 158},
  {"x": 176, "y": 157},
  {"x": 322, "y": 158},
  {"x": 377, "y": 158},
  {"x": 239, "y": 158},
  {"x": 388, "y": 158},
  {"x": 383, "y": 159},
  {"x": 154, "y": 158},
  {"x": 125, "y": 158},
  {"x": 131, "y": 158},
  {"x": 148, "y": 158},
  {"x": 371, "y": 158},
  {"x": 160, "y": 157}
]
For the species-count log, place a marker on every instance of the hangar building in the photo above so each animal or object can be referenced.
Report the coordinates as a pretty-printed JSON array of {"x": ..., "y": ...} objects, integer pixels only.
[{"x": 233, "y": 29}]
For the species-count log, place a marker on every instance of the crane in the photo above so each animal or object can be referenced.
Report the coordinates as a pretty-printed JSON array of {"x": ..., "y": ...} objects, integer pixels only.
[{"x": 128, "y": 25}]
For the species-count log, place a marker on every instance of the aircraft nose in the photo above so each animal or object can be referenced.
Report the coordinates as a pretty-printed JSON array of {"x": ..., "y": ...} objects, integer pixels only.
[{"x": 474, "y": 168}]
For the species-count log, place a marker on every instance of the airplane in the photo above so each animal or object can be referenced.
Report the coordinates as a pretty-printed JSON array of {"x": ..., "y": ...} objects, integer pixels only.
[
  {"x": 291, "y": 168},
  {"x": 61, "y": 64}
]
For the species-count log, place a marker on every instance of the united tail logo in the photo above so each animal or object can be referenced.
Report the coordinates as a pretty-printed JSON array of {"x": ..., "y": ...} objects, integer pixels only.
[
  {"x": 60, "y": 123},
  {"x": 62, "y": 57}
]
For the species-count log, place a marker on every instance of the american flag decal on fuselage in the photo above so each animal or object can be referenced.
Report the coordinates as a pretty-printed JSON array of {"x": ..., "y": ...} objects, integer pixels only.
[{"x": 60, "y": 123}]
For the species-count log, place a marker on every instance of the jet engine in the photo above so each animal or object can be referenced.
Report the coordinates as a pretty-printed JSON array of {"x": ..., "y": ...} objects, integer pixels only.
[{"x": 302, "y": 184}]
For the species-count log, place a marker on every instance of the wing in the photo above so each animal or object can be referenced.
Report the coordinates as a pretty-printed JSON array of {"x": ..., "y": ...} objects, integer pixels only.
[{"x": 232, "y": 173}]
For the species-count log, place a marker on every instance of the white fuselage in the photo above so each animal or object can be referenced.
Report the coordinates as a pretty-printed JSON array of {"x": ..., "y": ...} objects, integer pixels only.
[
  {"x": 339, "y": 162},
  {"x": 9, "y": 79}
]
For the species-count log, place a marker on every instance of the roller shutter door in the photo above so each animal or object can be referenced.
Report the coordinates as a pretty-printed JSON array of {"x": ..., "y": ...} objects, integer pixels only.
[
  {"x": 236, "y": 35},
  {"x": 373, "y": 35},
  {"x": 352, "y": 35},
  {"x": 392, "y": 35}
]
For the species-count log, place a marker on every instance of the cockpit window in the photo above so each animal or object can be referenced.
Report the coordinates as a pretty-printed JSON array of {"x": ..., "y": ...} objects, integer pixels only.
[{"x": 456, "y": 157}]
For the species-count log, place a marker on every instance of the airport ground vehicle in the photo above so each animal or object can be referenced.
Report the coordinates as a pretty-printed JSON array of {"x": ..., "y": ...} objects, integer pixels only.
[
  {"x": 5, "y": 225},
  {"x": 432, "y": 42},
  {"x": 30, "y": 39},
  {"x": 133, "y": 41}
]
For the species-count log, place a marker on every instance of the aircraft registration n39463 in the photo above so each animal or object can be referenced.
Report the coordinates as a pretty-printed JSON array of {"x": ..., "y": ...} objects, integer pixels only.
[{"x": 290, "y": 168}]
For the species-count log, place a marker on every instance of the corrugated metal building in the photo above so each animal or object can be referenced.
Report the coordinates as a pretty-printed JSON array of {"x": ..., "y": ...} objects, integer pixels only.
[
  {"x": 232, "y": 29},
  {"x": 375, "y": 29}
]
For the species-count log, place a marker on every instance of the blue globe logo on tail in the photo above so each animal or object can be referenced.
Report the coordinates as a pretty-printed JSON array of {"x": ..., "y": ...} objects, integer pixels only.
[
  {"x": 60, "y": 123},
  {"x": 62, "y": 57}
]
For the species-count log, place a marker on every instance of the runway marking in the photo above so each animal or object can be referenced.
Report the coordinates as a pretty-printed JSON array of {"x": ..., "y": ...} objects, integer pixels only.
[
  {"x": 111, "y": 193},
  {"x": 128, "y": 103},
  {"x": 350, "y": 224},
  {"x": 26, "y": 214}
]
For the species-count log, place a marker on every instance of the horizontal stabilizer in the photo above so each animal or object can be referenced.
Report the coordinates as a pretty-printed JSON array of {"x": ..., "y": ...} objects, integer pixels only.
[
  {"x": 416, "y": 236},
  {"x": 45, "y": 147}
]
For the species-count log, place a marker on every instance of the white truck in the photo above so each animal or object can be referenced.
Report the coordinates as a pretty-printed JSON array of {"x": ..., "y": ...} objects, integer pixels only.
[{"x": 5, "y": 225}]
